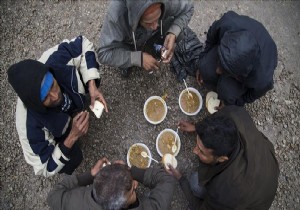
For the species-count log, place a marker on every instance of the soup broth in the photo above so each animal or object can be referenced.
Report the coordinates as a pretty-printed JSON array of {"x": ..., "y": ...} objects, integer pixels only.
[
  {"x": 188, "y": 103},
  {"x": 165, "y": 143},
  {"x": 135, "y": 157},
  {"x": 155, "y": 110}
]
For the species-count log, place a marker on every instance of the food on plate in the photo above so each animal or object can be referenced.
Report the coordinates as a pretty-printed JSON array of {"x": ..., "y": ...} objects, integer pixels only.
[
  {"x": 135, "y": 157},
  {"x": 155, "y": 110},
  {"x": 166, "y": 141},
  {"x": 190, "y": 102}
]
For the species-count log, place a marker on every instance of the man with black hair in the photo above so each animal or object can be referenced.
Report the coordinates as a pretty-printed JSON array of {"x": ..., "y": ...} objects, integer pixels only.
[
  {"x": 239, "y": 59},
  {"x": 50, "y": 113},
  {"x": 237, "y": 169},
  {"x": 134, "y": 33},
  {"x": 113, "y": 187}
]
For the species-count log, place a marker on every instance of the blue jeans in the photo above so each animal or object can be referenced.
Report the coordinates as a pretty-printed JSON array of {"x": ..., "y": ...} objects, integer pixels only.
[{"x": 198, "y": 191}]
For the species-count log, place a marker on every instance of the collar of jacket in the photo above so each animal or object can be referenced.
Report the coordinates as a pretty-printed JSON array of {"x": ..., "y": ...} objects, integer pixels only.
[{"x": 208, "y": 172}]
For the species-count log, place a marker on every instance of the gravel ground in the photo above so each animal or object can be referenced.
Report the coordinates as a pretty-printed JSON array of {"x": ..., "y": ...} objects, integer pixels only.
[{"x": 30, "y": 27}]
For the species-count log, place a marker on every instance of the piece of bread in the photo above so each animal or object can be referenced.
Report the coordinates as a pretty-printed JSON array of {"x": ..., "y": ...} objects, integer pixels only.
[
  {"x": 212, "y": 104},
  {"x": 164, "y": 54},
  {"x": 209, "y": 95},
  {"x": 98, "y": 108},
  {"x": 169, "y": 159}
]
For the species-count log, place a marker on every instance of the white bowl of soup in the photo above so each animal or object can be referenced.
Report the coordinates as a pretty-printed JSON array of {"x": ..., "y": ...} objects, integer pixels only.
[
  {"x": 190, "y": 104},
  {"x": 134, "y": 157},
  {"x": 155, "y": 110},
  {"x": 165, "y": 141}
]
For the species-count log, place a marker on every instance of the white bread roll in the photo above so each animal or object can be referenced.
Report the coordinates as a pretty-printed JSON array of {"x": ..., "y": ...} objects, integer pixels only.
[
  {"x": 211, "y": 104},
  {"x": 98, "y": 108},
  {"x": 209, "y": 95},
  {"x": 212, "y": 101},
  {"x": 169, "y": 159}
]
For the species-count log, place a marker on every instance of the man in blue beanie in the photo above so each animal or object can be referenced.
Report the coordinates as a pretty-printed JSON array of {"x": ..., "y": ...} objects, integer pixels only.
[{"x": 50, "y": 113}]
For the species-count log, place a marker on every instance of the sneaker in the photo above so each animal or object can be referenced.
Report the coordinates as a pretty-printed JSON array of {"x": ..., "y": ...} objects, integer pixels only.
[{"x": 125, "y": 72}]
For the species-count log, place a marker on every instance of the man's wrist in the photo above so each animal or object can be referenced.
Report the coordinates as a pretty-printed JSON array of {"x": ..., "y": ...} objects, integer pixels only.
[
  {"x": 170, "y": 33},
  {"x": 91, "y": 83},
  {"x": 70, "y": 141}
]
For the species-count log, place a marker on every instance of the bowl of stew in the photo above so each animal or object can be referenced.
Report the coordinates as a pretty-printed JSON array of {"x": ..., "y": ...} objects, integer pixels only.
[
  {"x": 190, "y": 104},
  {"x": 155, "y": 110},
  {"x": 134, "y": 157}
]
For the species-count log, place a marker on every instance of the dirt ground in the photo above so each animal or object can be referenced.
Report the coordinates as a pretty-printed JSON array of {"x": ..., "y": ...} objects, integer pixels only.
[{"x": 28, "y": 28}]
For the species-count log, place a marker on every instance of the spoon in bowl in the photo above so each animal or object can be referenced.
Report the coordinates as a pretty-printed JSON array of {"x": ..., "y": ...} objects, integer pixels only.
[
  {"x": 144, "y": 154},
  {"x": 189, "y": 94},
  {"x": 174, "y": 147}
]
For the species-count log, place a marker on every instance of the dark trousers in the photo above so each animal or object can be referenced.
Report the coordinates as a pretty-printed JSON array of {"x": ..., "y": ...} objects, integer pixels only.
[{"x": 76, "y": 158}]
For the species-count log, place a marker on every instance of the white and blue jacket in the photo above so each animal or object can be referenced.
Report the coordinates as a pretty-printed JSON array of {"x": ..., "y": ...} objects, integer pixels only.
[{"x": 73, "y": 64}]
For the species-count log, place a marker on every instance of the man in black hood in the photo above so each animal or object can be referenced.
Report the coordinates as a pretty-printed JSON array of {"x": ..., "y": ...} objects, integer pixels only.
[
  {"x": 51, "y": 92},
  {"x": 239, "y": 59}
]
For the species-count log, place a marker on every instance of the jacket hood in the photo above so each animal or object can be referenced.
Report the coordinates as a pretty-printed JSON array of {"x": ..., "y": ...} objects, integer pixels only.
[
  {"x": 26, "y": 77},
  {"x": 136, "y": 9},
  {"x": 238, "y": 52}
]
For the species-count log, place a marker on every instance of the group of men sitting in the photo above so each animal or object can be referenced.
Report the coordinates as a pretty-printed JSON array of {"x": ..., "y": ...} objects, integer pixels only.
[{"x": 237, "y": 168}]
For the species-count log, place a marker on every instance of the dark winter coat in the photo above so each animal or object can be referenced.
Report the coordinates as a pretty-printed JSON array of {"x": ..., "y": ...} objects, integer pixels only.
[
  {"x": 246, "y": 52},
  {"x": 42, "y": 130},
  {"x": 248, "y": 180}
]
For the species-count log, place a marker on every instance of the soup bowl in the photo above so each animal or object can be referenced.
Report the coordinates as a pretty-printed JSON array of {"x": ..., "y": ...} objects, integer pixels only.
[
  {"x": 165, "y": 140},
  {"x": 155, "y": 110},
  {"x": 135, "y": 158},
  {"x": 190, "y": 104}
]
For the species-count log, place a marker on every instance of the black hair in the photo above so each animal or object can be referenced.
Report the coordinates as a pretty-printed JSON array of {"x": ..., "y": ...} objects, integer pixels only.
[
  {"x": 110, "y": 186},
  {"x": 219, "y": 133}
]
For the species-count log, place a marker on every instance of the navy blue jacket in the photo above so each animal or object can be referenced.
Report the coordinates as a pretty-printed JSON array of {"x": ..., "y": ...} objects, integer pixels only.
[
  {"x": 246, "y": 52},
  {"x": 73, "y": 63}
]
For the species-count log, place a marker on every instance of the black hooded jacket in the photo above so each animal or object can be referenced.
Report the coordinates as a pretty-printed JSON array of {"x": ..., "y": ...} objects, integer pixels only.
[
  {"x": 29, "y": 92},
  {"x": 246, "y": 52}
]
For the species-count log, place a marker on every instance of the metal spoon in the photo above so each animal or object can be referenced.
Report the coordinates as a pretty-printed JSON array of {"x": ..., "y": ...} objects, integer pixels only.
[
  {"x": 174, "y": 147},
  {"x": 189, "y": 94},
  {"x": 144, "y": 154}
]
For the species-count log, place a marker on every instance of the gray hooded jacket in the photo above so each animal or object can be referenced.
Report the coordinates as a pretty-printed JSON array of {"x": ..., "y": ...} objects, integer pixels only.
[
  {"x": 121, "y": 36},
  {"x": 75, "y": 192}
]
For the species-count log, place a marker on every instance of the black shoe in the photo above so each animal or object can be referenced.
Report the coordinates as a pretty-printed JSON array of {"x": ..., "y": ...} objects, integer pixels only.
[{"x": 125, "y": 72}]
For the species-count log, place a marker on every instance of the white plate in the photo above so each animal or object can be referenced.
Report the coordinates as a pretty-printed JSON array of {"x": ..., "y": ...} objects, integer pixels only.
[
  {"x": 144, "y": 146},
  {"x": 164, "y": 104},
  {"x": 176, "y": 135},
  {"x": 200, "y": 98}
]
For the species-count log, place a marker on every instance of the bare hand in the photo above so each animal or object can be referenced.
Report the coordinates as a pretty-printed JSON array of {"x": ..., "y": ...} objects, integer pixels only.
[
  {"x": 119, "y": 162},
  {"x": 174, "y": 172},
  {"x": 199, "y": 78},
  {"x": 96, "y": 94},
  {"x": 170, "y": 46},
  {"x": 186, "y": 126},
  {"x": 98, "y": 166},
  {"x": 149, "y": 63},
  {"x": 80, "y": 124}
]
